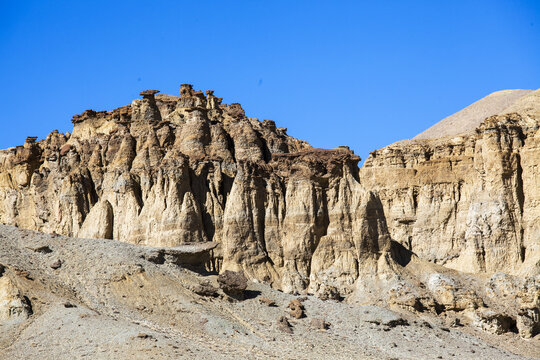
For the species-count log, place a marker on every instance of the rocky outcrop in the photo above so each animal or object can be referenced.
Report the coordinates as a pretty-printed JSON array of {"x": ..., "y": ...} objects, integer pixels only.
[
  {"x": 469, "y": 202},
  {"x": 166, "y": 171},
  {"x": 14, "y": 307}
]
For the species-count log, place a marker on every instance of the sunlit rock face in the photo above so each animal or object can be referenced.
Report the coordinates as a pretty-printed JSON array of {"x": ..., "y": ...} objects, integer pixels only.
[
  {"x": 167, "y": 170},
  {"x": 471, "y": 201}
]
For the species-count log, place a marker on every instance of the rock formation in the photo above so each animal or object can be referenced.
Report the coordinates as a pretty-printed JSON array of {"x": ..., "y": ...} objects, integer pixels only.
[
  {"x": 471, "y": 201},
  {"x": 447, "y": 223},
  {"x": 169, "y": 170},
  {"x": 166, "y": 171},
  {"x": 14, "y": 307}
]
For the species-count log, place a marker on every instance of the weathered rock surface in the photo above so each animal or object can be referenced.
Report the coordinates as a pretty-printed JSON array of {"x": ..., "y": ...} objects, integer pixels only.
[
  {"x": 469, "y": 202},
  {"x": 14, "y": 307},
  {"x": 199, "y": 184},
  {"x": 296, "y": 309},
  {"x": 166, "y": 171},
  {"x": 233, "y": 283}
]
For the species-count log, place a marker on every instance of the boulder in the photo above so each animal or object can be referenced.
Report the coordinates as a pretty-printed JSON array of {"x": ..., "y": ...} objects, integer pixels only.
[
  {"x": 284, "y": 325},
  {"x": 14, "y": 307},
  {"x": 491, "y": 321},
  {"x": 296, "y": 309},
  {"x": 233, "y": 283}
]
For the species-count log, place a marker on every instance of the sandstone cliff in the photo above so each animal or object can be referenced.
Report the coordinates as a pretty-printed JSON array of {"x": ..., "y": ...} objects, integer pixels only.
[
  {"x": 470, "y": 201},
  {"x": 170, "y": 170},
  {"x": 199, "y": 181},
  {"x": 167, "y": 170}
]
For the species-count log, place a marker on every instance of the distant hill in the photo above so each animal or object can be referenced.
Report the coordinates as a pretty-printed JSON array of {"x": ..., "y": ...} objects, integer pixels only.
[{"x": 470, "y": 117}]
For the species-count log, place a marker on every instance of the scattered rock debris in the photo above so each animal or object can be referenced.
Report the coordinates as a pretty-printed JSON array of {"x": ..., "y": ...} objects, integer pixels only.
[
  {"x": 266, "y": 301},
  {"x": 320, "y": 324},
  {"x": 56, "y": 265}
]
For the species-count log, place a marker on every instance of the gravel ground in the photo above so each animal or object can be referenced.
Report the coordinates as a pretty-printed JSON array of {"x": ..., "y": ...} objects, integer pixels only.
[{"x": 106, "y": 301}]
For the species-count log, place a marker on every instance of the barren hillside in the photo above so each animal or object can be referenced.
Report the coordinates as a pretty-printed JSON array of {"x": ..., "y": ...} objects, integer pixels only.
[
  {"x": 469, "y": 118},
  {"x": 179, "y": 227}
]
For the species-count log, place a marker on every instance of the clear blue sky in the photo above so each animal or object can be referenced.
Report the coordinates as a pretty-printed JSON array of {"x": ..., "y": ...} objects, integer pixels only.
[{"x": 357, "y": 73}]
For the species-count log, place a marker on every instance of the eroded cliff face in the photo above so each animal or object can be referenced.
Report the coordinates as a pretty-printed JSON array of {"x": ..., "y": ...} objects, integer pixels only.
[
  {"x": 170, "y": 170},
  {"x": 167, "y": 170},
  {"x": 469, "y": 202}
]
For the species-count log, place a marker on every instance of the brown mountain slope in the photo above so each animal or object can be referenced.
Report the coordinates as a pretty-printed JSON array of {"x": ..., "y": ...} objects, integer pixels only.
[{"x": 469, "y": 118}]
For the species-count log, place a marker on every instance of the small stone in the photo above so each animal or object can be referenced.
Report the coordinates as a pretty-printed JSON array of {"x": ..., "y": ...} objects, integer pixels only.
[
  {"x": 320, "y": 324},
  {"x": 56, "y": 265},
  {"x": 268, "y": 302},
  {"x": 284, "y": 325},
  {"x": 23, "y": 273},
  {"x": 330, "y": 293},
  {"x": 42, "y": 249},
  {"x": 296, "y": 309},
  {"x": 205, "y": 289}
]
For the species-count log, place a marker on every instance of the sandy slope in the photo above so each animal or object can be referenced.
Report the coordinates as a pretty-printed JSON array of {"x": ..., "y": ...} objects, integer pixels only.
[
  {"x": 469, "y": 118},
  {"x": 108, "y": 301}
]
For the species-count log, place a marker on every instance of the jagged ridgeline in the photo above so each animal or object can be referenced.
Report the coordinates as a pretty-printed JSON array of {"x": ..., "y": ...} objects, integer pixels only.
[{"x": 168, "y": 170}]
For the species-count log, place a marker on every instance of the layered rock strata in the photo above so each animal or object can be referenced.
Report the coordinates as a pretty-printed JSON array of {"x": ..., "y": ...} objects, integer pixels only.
[{"x": 470, "y": 202}]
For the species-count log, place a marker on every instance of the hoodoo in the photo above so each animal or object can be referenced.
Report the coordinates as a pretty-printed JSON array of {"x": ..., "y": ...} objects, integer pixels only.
[
  {"x": 179, "y": 226},
  {"x": 168, "y": 171}
]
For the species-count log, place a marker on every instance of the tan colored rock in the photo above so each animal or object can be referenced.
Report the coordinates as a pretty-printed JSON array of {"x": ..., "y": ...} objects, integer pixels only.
[
  {"x": 320, "y": 324},
  {"x": 491, "y": 321},
  {"x": 14, "y": 308},
  {"x": 451, "y": 295},
  {"x": 99, "y": 222},
  {"x": 166, "y": 171},
  {"x": 468, "y": 202},
  {"x": 266, "y": 301},
  {"x": 296, "y": 309},
  {"x": 528, "y": 322}
]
